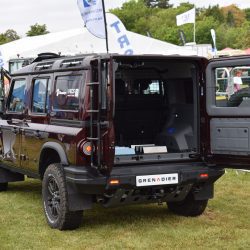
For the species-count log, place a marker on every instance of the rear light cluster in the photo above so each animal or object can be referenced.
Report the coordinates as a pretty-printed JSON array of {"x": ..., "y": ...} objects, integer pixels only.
[
  {"x": 204, "y": 176},
  {"x": 114, "y": 182},
  {"x": 85, "y": 147}
]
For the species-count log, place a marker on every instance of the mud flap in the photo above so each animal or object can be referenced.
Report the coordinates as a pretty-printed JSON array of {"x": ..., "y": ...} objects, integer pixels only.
[
  {"x": 204, "y": 192},
  {"x": 76, "y": 200}
]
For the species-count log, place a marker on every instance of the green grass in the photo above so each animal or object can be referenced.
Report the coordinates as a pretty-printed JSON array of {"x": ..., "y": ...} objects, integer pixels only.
[{"x": 224, "y": 225}]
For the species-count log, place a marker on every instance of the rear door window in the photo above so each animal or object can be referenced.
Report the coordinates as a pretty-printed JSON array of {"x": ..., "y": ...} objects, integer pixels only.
[
  {"x": 232, "y": 86},
  {"x": 66, "y": 94},
  {"x": 228, "y": 87}
]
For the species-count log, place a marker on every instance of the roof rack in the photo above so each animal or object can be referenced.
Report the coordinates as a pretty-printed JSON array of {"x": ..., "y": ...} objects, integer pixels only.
[
  {"x": 71, "y": 62},
  {"x": 44, "y": 66},
  {"x": 46, "y": 56}
]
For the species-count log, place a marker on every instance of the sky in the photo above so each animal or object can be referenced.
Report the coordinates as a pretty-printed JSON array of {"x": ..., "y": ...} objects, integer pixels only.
[{"x": 61, "y": 15}]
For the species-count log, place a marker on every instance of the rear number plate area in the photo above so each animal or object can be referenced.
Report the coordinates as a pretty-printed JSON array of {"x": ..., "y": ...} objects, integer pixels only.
[{"x": 155, "y": 180}]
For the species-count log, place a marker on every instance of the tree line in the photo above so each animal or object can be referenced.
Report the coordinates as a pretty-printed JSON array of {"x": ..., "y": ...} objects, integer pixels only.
[
  {"x": 11, "y": 35},
  {"x": 157, "y": 18}
]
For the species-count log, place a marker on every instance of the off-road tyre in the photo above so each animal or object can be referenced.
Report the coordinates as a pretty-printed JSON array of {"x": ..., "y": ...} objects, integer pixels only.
[
  {"x": 188, "y": 207},
  {"x": 3, "y": 187},
  {"x": 55, "y": 200}
]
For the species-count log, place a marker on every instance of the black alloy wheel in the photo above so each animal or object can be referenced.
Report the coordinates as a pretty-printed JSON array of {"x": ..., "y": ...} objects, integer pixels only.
[
  {"x": 55, "y": 200},
  {"x": 53, "y": 197}
]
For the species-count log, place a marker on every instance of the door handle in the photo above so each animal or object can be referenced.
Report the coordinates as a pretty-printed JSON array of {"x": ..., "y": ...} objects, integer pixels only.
[
  {"x": 37, "y": 134},
  {"x": 14, "y": 130},
  {"x": 17, "y": 122},
  {"x": 40, "y": 134},
  {"x": 14, "y": 121}
]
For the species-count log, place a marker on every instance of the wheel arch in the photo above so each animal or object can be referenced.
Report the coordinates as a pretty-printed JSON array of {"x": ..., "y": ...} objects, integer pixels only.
[{"x": 51, "y": 152}]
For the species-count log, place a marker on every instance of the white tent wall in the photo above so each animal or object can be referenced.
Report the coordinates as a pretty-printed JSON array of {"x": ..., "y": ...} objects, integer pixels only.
[{"x": 79, "y": 41}]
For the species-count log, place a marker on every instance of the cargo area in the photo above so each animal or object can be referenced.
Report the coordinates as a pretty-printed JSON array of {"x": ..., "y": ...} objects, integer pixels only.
[{"x": 155, "y": 110}]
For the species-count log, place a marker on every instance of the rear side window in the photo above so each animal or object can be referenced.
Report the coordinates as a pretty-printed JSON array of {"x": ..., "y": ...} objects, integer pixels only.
[
  {"x": 66, "y": 94},
  {"x": 40, "y": 99},
  {"x": 16, "y": 103}
]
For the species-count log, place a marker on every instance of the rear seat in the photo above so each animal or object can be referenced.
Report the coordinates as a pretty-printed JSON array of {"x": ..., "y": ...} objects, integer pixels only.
[{"x": 137, "y": 118}]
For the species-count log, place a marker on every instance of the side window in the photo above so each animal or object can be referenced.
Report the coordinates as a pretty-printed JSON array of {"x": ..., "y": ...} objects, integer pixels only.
[
  {"x": 153, "y": 88},
  {"x": 145, "y": 87},
  {"x": 40, "y": 99},
  {"x": 16, "y": 103},
  {"x": 233, "y": 86},
  {"x": 66, "y": 94}
]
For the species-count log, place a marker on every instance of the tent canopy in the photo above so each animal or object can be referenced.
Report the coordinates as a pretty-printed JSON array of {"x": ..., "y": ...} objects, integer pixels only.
[{"x": 80, "y": 41}]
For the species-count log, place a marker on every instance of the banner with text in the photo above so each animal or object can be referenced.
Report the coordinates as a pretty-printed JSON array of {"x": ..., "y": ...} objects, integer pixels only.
[
  {"x": 118, "y": 35},
  {"x": 93, "y": 16}
]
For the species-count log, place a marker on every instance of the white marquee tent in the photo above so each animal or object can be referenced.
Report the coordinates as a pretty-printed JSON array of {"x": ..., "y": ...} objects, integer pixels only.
[{"x": 79, "y": 41}]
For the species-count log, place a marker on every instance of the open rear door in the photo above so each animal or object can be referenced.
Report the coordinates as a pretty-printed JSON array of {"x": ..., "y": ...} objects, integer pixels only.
[{"x": 228, "y": 110}]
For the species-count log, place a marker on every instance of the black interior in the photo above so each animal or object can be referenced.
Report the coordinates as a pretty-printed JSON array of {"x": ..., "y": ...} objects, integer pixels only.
[{"x": 162, "y": 117}]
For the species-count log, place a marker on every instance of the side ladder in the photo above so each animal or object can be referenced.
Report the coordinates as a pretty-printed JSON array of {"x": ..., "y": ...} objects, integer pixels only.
[{"x": 95, "y": 127}]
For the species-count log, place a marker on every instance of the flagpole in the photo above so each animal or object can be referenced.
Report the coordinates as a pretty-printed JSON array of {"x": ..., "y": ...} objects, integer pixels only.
[
  {"x": 194, "y": 24},
  {"x": 194, "y": 31},
  {"x": 105, "y": 24}
]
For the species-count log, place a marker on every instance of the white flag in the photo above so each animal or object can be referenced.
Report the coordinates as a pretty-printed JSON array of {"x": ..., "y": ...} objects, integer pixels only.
[
  {"x": 186, "y": 17},
  {"x": 93, "y": 16}
]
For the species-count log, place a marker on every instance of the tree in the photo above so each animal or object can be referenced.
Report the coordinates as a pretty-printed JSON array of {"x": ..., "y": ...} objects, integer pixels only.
[
  {"x": 203, "y": 28},
  {"x": 3, "y": 39},
  {"x": 163, "y": 4},
  {"x": 230, "y": 19},
  {"x": 234, "y": 16},
  {"x": 145, "y": 16},
  {"x": 243, "y": 36},
  {"x": 133, "y": 12},
  {"x": 37, "y": 30},
  {"x": 8, "y": 36},
  {"x": 11, "y": 35},
  {"x": 215, "y": 12},
  {"x": 247, "y": 12},
  {"x": 186, "y": 5}
]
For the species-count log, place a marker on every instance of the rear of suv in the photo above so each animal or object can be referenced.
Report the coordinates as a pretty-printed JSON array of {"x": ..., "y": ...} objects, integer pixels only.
[{"x": 113, "y": 130}]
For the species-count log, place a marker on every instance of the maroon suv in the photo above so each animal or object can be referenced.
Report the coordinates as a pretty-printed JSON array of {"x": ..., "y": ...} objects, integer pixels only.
[{"x": 120, "y": 130}]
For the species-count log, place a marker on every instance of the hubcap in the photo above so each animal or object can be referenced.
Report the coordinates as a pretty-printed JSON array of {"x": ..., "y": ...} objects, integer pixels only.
[{"x": 53, "y": 198}]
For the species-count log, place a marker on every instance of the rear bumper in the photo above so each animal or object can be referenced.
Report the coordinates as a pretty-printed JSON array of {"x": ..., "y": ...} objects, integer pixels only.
[{"x": 89, "y": 182}]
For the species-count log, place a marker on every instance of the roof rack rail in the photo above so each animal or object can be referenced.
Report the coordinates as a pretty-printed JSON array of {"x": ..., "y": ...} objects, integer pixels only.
[
  {"x": 44, "y": 66},
  {"x": 71, "y": 62},
  {"x": 46, "y": 56}
]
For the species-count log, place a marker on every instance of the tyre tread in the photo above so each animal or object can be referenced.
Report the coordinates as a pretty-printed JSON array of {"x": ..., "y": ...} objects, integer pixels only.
[
  {"x": 188, "y": 207},
  {"x": 68, "y": 219}
]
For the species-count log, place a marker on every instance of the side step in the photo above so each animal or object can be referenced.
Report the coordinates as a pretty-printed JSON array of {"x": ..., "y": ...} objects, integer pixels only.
[{"x": 9, "y": 176}]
